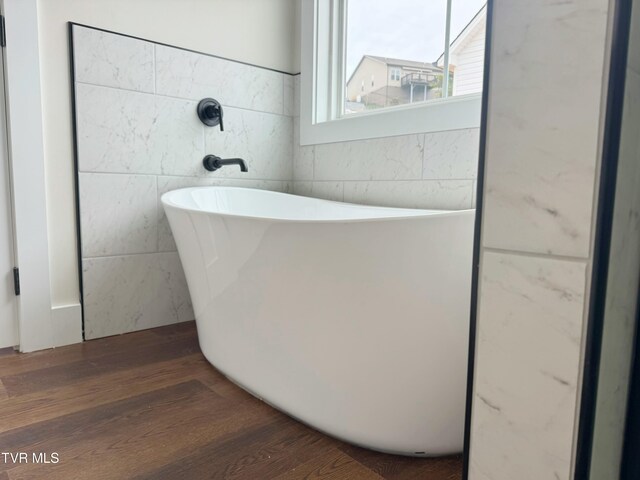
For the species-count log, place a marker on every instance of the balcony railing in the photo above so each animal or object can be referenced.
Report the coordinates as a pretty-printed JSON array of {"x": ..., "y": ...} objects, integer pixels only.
[{"x": 417, "y": 78}]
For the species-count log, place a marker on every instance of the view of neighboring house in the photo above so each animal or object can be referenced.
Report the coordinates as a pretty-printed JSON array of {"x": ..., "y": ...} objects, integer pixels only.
[
  {"x": 380, "y": 81},
  {"x": 466, "y": 56}
]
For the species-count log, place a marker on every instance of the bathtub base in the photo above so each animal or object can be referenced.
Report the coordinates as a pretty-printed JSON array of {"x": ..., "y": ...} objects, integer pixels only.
[{"x": 329, "y": 434}]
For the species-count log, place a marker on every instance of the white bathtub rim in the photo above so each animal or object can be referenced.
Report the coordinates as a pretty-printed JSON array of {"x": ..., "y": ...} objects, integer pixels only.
[{"x": 167, "y": 201}]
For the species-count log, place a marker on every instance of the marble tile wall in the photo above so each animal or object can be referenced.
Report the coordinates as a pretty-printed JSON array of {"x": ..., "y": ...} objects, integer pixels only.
[
  {"x": 433, "y": 170},
  {"x": 138, "y": 136},
  {"x": 530, "y": 319},
  {"x": 542, "y": 154}
]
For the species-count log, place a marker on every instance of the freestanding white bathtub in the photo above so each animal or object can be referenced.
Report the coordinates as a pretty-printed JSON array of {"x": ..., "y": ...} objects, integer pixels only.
[{"x": 352, "y": 319}]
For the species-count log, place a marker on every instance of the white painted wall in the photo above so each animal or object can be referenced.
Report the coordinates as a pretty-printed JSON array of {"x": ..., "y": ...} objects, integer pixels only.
[{"x": 254, "y": 31}]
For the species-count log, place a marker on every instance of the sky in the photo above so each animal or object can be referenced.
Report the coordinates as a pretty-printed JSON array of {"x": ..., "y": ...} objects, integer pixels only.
[{"x": 406, "y": 29}]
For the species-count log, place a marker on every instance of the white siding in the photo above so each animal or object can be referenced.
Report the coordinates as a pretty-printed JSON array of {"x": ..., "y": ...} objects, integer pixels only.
[{"x": 469, "y": 63}]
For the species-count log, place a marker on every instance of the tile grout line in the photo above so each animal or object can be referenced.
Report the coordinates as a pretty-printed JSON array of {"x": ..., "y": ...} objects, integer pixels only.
[
  {"x": 134, "y": 254},
  {"x": 430, "y": 180},
  {"x": 550, "y": 256},
  {"x": 416, "y": 134},
  {"x": 166, "y": 175},
  {"x": 174, "y": 97}
]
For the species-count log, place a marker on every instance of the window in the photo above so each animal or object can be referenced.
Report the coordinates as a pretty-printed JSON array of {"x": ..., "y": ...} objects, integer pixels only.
[
  {"x": 409, "y": 44},
  {"x": 412, "y": 35}
]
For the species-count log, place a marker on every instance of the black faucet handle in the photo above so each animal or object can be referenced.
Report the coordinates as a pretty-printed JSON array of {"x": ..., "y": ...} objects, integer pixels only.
[
  {"x": 210, "y": 162},
  {"x": 210, "y": 112}
]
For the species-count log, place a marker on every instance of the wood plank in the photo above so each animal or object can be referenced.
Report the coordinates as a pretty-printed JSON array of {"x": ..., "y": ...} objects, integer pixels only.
[
  {"x": 228, "y": 389},
  {"x": 395, "y": 467},
  {"x": 74, "y": 372},
  {"x": 125, "y": 438},
  {"x": 333, "y": 465},
  {"x": 16, "y": 363},
  {"x": 62, "y": 433},
  {"x": 90, "y": 422},
  {"x": 263, "y": 452},
  {"x": 44, "y": 405},
  {"x": 3, "y": 392},
  {"x": 174, "y": 329},
  {"x": 7, "y": 351}
]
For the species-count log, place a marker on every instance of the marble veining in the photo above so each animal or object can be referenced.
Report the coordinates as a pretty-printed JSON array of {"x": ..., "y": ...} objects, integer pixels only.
[
  {"x": 451, "y": 155},
  {"x": 102, "y": 58},
  {"x": 127, "y": 219},
  {"x": 530, "y": 319},
  {"x": 390, "y": 158},
  {"x": 184, "y": 74},
  {"x": 128, "y": 132},
  {"x": 303, "y": 156},
  {"x": 435, "y": 170},
  {"x": 263, "y": 140},
  {"x": 289, "y": 106},
  {"x": 539, "y": 186},
  {"x": 296, "y": 95},
  {"x": 134, "y": 292},
  {"x": 325, "y": 190},
  {"x": 428, "y": 194}
]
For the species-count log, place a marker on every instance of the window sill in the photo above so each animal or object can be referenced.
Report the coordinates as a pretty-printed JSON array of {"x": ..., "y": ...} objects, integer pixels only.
[{"x": 440, "y": 115}]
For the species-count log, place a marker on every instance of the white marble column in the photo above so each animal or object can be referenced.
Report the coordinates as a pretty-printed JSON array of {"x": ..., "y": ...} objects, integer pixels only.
[{"x": 542, "y": 154}]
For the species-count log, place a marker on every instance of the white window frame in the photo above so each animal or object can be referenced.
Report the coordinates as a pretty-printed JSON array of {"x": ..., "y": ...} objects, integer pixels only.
[
  {"x": 322, "y": 89},
  {"x": 395, "y": 73}
]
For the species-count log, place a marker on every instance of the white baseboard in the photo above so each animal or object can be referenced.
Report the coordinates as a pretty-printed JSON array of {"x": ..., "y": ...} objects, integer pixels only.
[{"x": 67, "y": 324}]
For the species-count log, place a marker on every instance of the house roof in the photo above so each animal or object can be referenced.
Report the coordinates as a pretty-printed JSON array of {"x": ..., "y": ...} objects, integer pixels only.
[
  {"x": 466, "y": 32},
  {"x": 404, "y": 63}
]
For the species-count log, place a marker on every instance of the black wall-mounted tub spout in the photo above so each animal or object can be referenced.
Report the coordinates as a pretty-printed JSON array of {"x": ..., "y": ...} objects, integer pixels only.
[
  {"x": 213, "y": 163},
  {"x": 210, "y": 113}
]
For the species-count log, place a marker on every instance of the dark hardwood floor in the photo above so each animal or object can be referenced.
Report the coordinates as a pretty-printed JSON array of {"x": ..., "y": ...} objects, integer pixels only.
[{"x": 147, "y": 405}]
